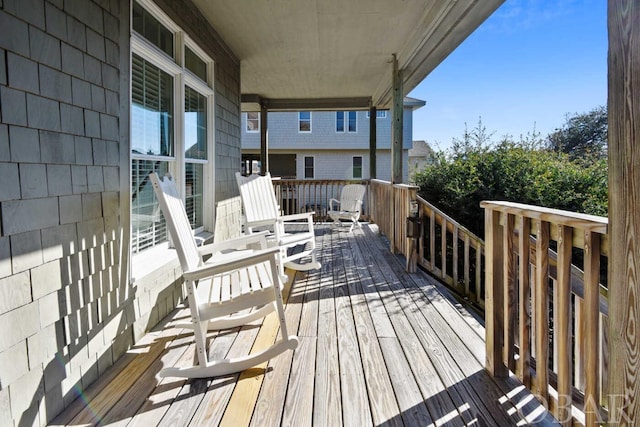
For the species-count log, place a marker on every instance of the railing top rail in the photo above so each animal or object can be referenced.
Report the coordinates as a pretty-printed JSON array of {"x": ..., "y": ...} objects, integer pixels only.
[
  {"x": 382, "y": 182},
  {"x": 438, "y": 212},
  {"x": 597, "y": 224}
]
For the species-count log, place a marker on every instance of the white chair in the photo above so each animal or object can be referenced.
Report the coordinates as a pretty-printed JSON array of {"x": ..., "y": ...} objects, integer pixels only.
[
  {"x": 349, "y": 206},
  {"x": 228, "y": 290},
  {"x": 261, "y": 210}
]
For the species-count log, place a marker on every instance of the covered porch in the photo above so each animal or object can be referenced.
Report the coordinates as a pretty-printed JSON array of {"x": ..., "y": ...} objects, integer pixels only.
[{"x": 378, "y": 346}]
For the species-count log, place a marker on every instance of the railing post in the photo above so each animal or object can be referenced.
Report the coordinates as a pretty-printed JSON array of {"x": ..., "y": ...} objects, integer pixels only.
[
  {"x": 412, "y": 241},
  {"x": 494, "y": 298}
]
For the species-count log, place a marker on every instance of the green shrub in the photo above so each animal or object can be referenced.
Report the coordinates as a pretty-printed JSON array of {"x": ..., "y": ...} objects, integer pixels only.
[{"x": 525, "y": 172}]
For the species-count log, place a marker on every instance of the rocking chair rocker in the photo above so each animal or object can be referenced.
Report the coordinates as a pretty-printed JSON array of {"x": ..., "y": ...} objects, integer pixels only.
[{"x": 221, "y": 290}]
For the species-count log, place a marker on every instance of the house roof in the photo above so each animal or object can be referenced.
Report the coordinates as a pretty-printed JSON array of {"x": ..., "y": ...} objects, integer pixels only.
[
  {"x": 420, "y": 149},
  {"x": 414, "y": 103},
  {"x": 335, "y": 54}
]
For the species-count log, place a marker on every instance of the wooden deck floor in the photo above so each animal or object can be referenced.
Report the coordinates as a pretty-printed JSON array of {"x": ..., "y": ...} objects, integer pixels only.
[{"x": 378, "y": 346}]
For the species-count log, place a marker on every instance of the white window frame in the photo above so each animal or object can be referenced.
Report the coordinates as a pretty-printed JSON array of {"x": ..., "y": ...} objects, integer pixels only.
[
  {"x": 246, "y": 123},
  {"x": 181, "y": 77},
  {"x": 304, "y": 167},
  {"x": 380, "y": 114},
  {"x": 310, "y": 122},
  {"x": 345, "y": 121},
  {"x": 353, "y": 174}
]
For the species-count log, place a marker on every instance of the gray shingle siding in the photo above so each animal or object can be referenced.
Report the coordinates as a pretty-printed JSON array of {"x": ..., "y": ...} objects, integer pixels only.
[{"x": 67, "y": 308}]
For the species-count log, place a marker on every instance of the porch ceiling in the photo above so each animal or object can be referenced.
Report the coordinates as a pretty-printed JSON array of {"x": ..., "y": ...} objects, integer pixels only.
[{"x": 296, "y": 51}]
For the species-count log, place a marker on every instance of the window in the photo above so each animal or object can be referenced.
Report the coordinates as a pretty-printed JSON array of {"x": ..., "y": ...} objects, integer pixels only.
[
  {"x": 149, "y": 27},
  {"x": 308, "y": 167},
  {"x": 171, "y": 119},
  {"x": 304, "y": 121},
  {"x": 195, "y": 138},
  {"x": 357, "y": 167},
  {"x": 195, "y": 64},
  {"x": 380, "y": 114},
  {"x": 346, "y": 120},
  {"x": 253, "y": 122}
]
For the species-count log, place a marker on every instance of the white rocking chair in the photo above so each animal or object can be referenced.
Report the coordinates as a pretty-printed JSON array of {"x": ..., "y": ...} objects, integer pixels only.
[
  {"x": 261, "y": 210},
  {"x": 221, "y": 290},
  {"x": 349, "y": 206}
]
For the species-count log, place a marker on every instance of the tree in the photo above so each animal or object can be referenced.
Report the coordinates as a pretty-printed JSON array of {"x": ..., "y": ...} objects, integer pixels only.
[
  {"x": 583, "y": 135},
  {"x": 519, "y": 171}
]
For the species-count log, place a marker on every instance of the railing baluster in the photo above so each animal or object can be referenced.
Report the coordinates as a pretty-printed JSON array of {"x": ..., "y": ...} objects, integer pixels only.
[
  {"x": 479, "y": 293},
  {"x": 432, "y": 239},
  {"x": 466, "y": 263},
  {"x": 443, "y": 248},
  {"x": 524, "y": 300},
  {"x": 542, "y": 311},
  {"x": 562, "y": 327},
  {"x": 509, "y": 274},
  {"x": 591, "y": 320}
]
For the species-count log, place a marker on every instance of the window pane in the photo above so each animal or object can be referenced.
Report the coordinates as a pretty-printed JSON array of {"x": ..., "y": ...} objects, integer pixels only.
[
  {"x": 148, "y": 227},
  {"x": 194, "y": 191},
  {"x": 357, "y": 167},
  {"x": 194, "y": 64},
  {"x": 195, "y": 124},
  {"x": 339, "y": 121},
  {"x": 151, "y": 109},
  {"x": 151, "y": 29},
  {"x": 304, "y": 121},
  {"x": 352, "y": 121},
  {"x": 253, "y": 122},
  {"x": 308, "y": 167}
]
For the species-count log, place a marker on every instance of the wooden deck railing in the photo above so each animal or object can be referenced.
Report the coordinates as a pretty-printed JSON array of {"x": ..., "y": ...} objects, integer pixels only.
[
  {"x": 452, "y": 253},
  {"x": 299, "y": 195},
  {"x": 538, "y": 305},
  {"x": 390, "y": 208},
  {"x": 545, "y": 319}
]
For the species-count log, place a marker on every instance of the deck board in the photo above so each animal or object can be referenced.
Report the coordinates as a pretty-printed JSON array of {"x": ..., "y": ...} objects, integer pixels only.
[{"x": 378, "y": 346}]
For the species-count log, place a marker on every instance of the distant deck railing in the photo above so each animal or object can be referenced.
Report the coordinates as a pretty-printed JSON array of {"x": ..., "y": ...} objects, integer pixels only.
[
  {"x": 301, "y": 195},
  {"x": 541, "y": 307}
]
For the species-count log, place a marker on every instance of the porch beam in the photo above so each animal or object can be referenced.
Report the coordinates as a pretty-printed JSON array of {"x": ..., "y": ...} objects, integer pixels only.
[
  {"x": 250, "y": 102},
  {"x": 624, "y": 217},
  {"x": 264, "y": 141},
  {"x": 373, "y": 112},
  {"x": 397, "y": 124}
]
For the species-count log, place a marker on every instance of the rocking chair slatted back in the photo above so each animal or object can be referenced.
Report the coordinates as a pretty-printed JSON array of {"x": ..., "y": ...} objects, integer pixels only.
[
  {"x": 259, "y": 189},
  {"x": 179, "y": 228}
]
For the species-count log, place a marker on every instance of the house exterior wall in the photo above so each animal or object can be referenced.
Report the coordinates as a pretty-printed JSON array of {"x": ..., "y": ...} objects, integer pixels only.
[
  {"x": 333, "y": 151},
  {"x": 68, "y": 309},
  {"x": 326, "y": 163}
]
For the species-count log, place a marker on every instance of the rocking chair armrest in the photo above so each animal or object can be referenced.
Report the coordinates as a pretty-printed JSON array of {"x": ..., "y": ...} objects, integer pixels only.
[
  {"x": 331, "y": 202},
  {"x": 232, "y": 263},
  {"x": 236, "y": 242},
  {"x": 293, "y": 217}
]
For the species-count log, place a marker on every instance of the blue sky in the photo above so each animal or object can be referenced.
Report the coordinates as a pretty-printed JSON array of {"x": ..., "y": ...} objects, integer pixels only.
[{"x": 531, "y": 63}]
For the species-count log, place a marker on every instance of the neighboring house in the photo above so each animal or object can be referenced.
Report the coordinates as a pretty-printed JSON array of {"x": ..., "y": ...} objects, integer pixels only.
[
  {"x": 420, "y": 155},
  {"x": 325, "y": 144}
]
